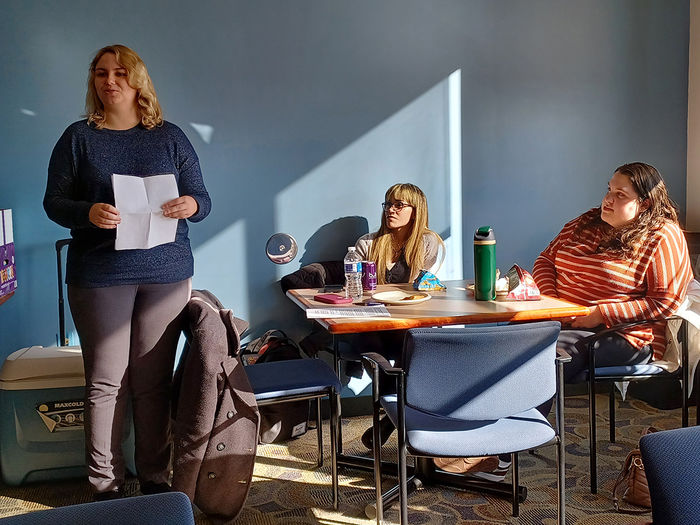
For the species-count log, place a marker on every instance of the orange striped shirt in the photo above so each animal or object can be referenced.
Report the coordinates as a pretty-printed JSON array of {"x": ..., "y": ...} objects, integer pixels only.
[{"x": 650, "y": 286}]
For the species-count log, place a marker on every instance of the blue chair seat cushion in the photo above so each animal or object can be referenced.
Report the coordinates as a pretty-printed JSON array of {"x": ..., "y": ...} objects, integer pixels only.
[
  {"x": 429, "y": 434},
  {"x": 630, "y": 370},
  {"x": 289, "y": 378}
]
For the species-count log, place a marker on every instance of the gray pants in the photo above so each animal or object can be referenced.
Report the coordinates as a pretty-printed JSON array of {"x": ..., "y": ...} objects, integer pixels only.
[
  {"x": 611, "y": 350},
  {"x": 128, "y": 336},
  {"x": 614, "y": 350}
]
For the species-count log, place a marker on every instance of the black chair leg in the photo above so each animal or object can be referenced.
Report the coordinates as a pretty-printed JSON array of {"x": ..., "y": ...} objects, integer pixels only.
[
  {"x": 611, "y": 410},
  {"x": 696, "y": 389},
  {"x": 401, "y": 431},
  {"x": 561, "y": 483},
  {"x": 336, "y": 368},
  {"x": 334, "y": 402},
  {"x": 403, "y": 487},
  {"x": 377, "y": 450},
  {"x": 516, "y": 484},
  {"x": 319, "y": 431},
  {"x": 685, "y": 373},
  {"x": 561, "y": 447},
  {"x": 592, "y": 435}
]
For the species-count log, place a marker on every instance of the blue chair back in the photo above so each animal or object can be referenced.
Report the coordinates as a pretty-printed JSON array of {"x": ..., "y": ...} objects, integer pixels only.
[
  {"x": 514, "y": 371},
  {"x": 171, "y": 508},
  {"x": 673, "y": 474}
]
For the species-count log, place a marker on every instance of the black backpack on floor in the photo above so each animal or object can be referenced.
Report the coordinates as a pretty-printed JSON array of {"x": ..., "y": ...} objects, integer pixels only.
[{"x": 282, "y": 421}]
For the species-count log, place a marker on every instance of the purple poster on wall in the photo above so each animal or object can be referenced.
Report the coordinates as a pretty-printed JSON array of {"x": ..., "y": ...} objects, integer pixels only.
[{"x": 8, "y": 277}]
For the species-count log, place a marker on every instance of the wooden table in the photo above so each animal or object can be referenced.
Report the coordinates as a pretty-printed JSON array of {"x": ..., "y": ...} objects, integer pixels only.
[{"x": 454, "y": 306}]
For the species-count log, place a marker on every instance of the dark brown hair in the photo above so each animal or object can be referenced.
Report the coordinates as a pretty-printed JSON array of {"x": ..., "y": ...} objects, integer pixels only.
[{"x": 658, "y": 208}]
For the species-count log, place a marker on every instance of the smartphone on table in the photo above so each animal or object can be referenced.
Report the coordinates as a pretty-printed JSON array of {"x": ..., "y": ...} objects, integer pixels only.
[{"x": 332, "y": 298}]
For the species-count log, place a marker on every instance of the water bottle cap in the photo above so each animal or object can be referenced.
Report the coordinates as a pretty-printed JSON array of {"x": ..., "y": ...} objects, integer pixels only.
[
  {"x": 351, "y": 248},
  {"x": 484, "y": 235}
]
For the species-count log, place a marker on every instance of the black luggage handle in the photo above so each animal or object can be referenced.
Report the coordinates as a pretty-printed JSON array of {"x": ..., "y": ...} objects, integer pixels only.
[{"x": 62, "y": 341}]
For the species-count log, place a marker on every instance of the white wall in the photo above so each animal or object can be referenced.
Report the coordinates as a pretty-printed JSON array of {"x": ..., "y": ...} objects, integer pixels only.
[{"x": 693, "y": 188}]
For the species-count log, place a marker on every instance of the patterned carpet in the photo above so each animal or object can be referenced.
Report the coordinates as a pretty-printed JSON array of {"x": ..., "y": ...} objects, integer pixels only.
[{"x": 288, "y": 489}]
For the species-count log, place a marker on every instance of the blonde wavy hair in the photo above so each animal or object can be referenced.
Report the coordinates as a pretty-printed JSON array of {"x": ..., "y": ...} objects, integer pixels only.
[
  {"x": 626, "y": 240},
  {"x": 381, "y": 250},
  {"x": 137, "y": 76}
]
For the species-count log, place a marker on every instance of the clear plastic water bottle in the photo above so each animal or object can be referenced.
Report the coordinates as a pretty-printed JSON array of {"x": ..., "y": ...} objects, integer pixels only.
[{"x": 353, "y": 274}]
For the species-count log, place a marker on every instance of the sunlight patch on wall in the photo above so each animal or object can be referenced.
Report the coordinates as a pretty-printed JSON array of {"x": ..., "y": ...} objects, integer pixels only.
[
  {"x": 420, "y": 144},
  {"x": 27, "y": 112},
  {"x": 205, "y": 131},
  {"x": 220, "y": 267},
  {"x": 453, "y": 259}
]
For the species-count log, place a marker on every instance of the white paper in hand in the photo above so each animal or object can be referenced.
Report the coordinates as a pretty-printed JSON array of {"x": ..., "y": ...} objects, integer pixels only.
[{"x": 138, "y": 200}]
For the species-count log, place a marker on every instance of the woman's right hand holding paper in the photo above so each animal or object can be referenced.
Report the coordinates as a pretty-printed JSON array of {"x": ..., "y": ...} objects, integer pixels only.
[{"x": 104, "y": 215}]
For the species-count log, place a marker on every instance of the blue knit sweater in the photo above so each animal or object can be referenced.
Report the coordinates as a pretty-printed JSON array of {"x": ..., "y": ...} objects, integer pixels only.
[{"x": 80, "y": 174}]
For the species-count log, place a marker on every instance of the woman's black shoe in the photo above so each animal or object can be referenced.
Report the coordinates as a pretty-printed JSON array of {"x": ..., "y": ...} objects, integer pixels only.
[
  {"x": 149, "y": 487},
  {"x": 386, "y": 427},
  {"x": 110, "y": 494}
]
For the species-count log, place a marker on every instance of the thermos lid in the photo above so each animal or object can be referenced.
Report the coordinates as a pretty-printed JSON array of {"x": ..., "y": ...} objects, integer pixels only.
[{"x": 484, "y": 235}]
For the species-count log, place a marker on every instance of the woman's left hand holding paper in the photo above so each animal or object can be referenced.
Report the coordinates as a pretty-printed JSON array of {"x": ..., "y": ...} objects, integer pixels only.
[{"x": 180, "y": 208}]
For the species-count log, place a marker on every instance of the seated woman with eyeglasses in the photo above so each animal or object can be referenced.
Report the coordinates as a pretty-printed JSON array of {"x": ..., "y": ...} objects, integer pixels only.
[
  {"x": 401, "y": 248},
  {"x": 403, "y": 245}
]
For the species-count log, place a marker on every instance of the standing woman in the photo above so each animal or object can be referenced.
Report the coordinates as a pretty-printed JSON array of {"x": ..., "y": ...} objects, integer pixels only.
[
  {"x": 628, "y": 261},
  {"x": 125, "y": 304}
]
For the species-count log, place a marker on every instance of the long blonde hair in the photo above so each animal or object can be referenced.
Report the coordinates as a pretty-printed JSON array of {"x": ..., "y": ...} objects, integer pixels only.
[
  {"x": 148, "y": 107},
  {"x": 381, "y": 250}
]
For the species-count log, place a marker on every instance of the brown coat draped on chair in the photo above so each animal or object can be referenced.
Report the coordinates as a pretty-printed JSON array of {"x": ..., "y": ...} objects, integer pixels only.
[{"x": 216, "y": 417}]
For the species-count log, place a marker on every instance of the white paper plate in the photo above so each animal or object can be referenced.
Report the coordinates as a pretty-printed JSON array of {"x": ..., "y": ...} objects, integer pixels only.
[
  {"x": 399, "y": 297},
  {"x": 503, "y": 293}
]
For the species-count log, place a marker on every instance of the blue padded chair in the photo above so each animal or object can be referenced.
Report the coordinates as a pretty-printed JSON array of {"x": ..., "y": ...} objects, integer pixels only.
[
  {"x": 469, "y": 392},
  {"x": 298, "y": 380},
  {"x": 613, "y": 374},
  {"x": 673, "y": 474},
  {"x": 172, "y": 508}
]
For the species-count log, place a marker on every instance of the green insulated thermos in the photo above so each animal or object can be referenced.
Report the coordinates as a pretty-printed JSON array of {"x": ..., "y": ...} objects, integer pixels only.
[{"x": 484, "y": 264}]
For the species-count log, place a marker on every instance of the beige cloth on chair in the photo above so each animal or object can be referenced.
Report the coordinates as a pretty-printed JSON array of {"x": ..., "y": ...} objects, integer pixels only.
[{"x": 690, "y": 311}]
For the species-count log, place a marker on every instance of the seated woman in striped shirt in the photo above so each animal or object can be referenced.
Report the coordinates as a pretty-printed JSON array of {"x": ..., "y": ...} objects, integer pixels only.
[{"x": 628, "y": 261}]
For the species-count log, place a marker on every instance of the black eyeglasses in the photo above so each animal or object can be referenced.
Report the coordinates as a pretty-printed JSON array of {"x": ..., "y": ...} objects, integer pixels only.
[{"x": 398, "y": 205}]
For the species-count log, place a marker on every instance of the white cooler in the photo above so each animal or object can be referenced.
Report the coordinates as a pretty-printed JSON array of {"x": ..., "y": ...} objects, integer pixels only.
[{"x": 42, "y": 392}]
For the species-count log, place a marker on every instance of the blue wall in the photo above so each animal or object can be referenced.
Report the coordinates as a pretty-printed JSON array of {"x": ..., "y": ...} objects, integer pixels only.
[{"x": 309, "y": 98}]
